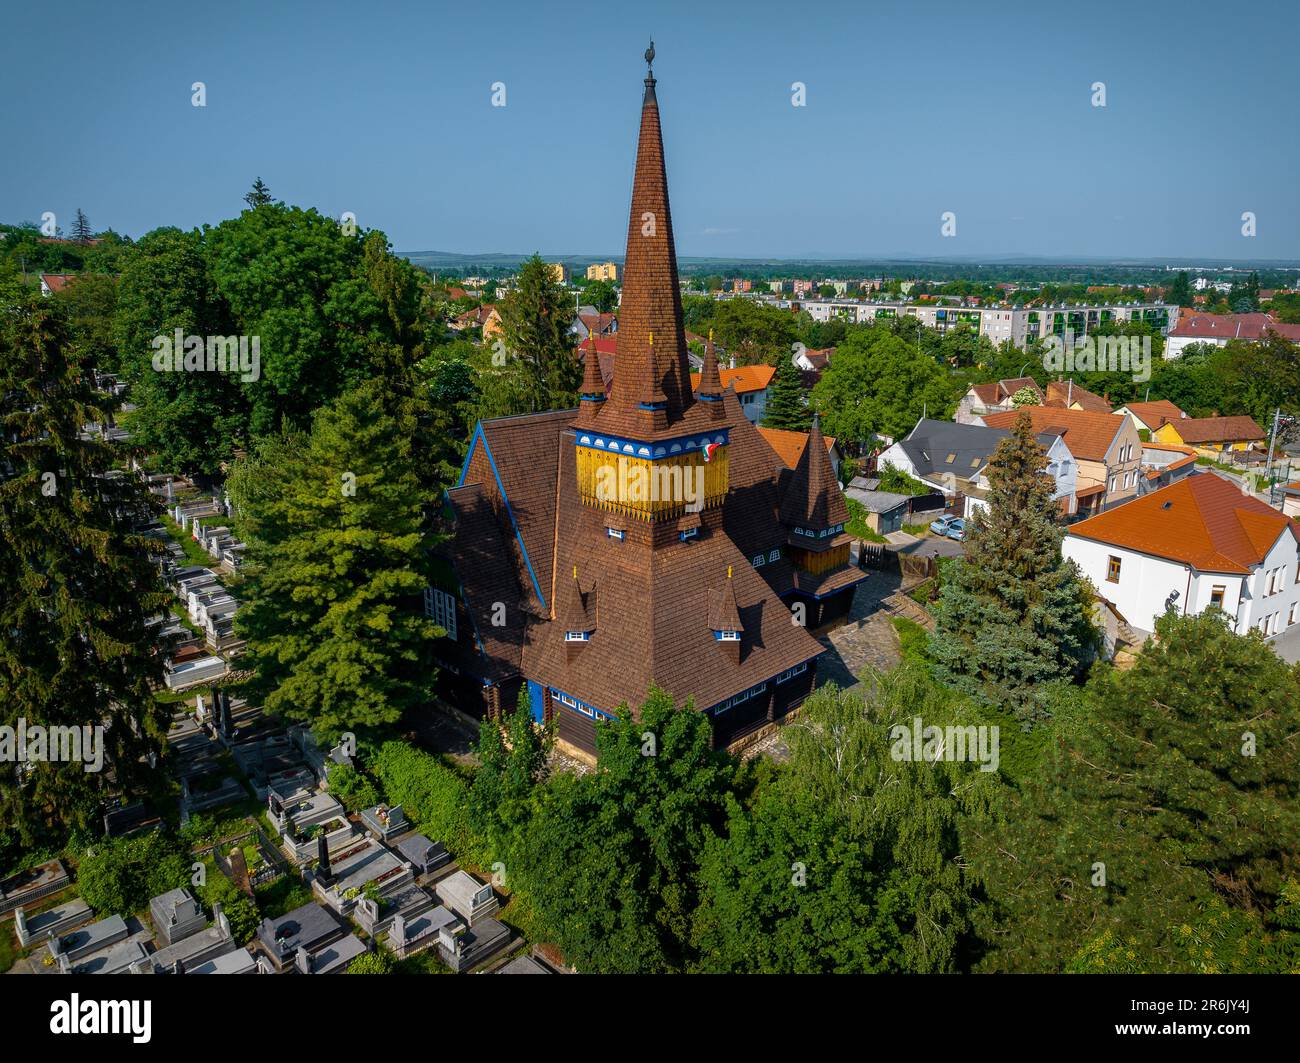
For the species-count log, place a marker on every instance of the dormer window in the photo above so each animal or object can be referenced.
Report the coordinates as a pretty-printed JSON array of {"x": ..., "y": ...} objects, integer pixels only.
[
  {"x": 577, "y": 636},
  {"x": 727, "y": 636},
  {"x": 688, "y": 533},
  {"x": 615, "y": 533}
]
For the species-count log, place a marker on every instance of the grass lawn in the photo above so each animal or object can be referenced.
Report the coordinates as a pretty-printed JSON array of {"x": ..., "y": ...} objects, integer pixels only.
[
  {"x": 283, "y": 895},
  {"x": 194, "y": 553}
]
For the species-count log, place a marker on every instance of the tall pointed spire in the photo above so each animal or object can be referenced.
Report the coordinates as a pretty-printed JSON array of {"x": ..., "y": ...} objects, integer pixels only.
[
  {"x": 813, "y": 499},
  {"x": 592, "y": 393},
  {"x": 652, "y": 381}
]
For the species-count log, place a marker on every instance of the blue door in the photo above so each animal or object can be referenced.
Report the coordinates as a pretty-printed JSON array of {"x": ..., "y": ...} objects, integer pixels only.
[{"x": 536, "y": 701}]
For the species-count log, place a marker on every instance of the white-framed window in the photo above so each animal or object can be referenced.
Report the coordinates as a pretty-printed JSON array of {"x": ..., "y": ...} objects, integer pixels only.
[
  {"x": 758, "y": 560},
  {"x": 440, "y": 607},
  {"x": 688, "y": 533},
  {"x": 1291, "y": 616},
  {"x": 775, "y": 555},
  {"x": 728, "y": 636},
  {"x": 577, "y": 636},
  {"x": 614, "y": 533}
]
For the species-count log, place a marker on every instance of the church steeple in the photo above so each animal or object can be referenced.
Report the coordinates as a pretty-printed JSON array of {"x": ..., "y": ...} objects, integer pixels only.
[
  {"x": 813, "y": 500},
  {"x": 652, "y": 378}
]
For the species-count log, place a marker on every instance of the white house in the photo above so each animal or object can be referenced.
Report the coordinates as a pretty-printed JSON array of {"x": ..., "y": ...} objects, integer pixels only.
[
  {"x": 1194, "y": 544},
  {"x": 953, "y": 459}
]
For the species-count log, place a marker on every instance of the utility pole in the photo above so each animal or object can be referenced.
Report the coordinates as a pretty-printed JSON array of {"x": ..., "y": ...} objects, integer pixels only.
[{"x": 1268, "y": 467}]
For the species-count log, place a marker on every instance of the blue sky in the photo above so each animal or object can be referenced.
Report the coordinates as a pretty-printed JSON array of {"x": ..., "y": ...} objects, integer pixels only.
[{"x": 384, "y": 109}]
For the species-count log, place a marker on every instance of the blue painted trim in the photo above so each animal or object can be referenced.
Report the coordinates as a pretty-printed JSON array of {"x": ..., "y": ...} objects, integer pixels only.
[
  {"x": 613, "y": 444},
  {"x": 479, "y": 436},
  {"x": 709, "y": 398},
  {"x": 598, "y": 713}
]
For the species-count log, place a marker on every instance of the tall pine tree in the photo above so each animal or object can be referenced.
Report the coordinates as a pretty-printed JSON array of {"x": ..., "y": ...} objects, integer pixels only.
[
  {"x": 787, "y": 407},
  {"x": 77, "y": 585},
  {"x": 1012, "y": 615},
  {"x": 535, "y": 318},
  {"x": 337, "y": 565}
]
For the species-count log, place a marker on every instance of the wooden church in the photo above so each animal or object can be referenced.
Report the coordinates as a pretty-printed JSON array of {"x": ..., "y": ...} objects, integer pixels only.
[{"x": 650, "y": 536}]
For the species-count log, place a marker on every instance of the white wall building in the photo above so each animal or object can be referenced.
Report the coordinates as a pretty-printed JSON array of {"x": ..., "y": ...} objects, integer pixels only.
[{"x": 1195, "y": 544}]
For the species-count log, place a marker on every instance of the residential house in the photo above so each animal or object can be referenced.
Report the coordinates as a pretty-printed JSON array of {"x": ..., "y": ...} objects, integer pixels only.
[
  {"x": 485, "y": 317},
  {"x": 602, "y": 271},
  {"x": 1197, "y": 544},
  {"x": 1107, "y": 448},
  {"x": 588, "y": 324},
  {"x": 1291, "y": 499},
  {"x": 1148, "y": 416},
  {"x": 1217, "y": 329},
  {"x": 55, "y": 282},
  {"x": 953, "y": 459},
  {"x": 1068, "y": 395},
  {"x": 789, "y": 446},
  {"x": 1211, "y": 436},
  {"x": 1163, "y": 463},
  {"x": 751, "y": 383},
  {"x": 993, "y": 398},
  {"x": 813, "y": 360}
]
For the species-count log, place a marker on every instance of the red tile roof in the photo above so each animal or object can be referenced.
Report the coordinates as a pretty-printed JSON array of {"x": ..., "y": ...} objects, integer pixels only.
[
  {"x": 1240, "y": 429},
  {"x": 56, "y": 282},
  {"x": 744, "y": 378},
  {"x": 1066, "y": 393},
  {"x": 1203, "y": 521},
  {"x": 1087, "y": 434},
  {"x": 1191, "y": 325}
]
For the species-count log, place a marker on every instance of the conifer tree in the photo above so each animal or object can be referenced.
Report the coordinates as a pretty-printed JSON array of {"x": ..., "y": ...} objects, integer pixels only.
[
  {"x": 1012, "y": 615},
  {"x": 535, "y": 318},
  {"x": 786, "y": 404},
  {"x": 77, "y": 585},
  {"x": 258, "y": 196},
  {"x": 81, "y": 230},
  {"x": 337, "y": 565}
]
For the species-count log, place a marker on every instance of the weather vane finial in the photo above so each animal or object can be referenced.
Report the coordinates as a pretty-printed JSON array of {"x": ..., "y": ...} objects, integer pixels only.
[{"x": 650, "y": 58}]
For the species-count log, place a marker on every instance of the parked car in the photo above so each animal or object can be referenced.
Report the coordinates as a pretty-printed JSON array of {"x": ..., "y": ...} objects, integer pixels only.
[
  {"x": 941, "y": 526},
  {"x": 956, "y": 529}
]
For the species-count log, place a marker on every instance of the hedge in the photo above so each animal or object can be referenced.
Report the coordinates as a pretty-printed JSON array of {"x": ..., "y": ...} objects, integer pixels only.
[{"x": 433, "y": 796}]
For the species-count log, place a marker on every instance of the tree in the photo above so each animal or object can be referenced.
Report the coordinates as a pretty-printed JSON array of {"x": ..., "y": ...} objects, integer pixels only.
[
  {"x": 849, "y": 860},
  {"x": 879, "y": 383},
  {"x": 258, "y": 196},
  {"x": 602, "y": 295},
  {"x": 1024, "y": 397},
  {"x": 336, "y": 566},
  {"x": 81, "y": 230},
  {"x": 371, "y": 963},
  {"x": 1012, "y": 618},
  {"x": 1169, "y": 790},
  {"x": 627, "y": 838},
  {"x": 1180, "y": 292},
  {"x": 535, "y": 320},
  {"x": 77, "y": 586},
  {"x": 787, "y": 407},
  {"x": 753, "y": 333}
]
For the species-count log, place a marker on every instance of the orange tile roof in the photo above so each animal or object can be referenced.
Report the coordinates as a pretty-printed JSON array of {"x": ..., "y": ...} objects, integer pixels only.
[
  {"x": 789, "y": 445},
  {"x": 1203, "y": 521},
  {"x": 1155, "y": 412},
  {"x": 745, "y": 378},
  {"x": 1087, "y": 434},
  {"x": 1064, "y": 393}
]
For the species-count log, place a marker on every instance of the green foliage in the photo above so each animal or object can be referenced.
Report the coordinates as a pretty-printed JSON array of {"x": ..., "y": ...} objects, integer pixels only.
[
  {"x": 78, "y": 585},
  {"x": 603, "y": 295},
  {"x": 755, "y": 334},
  {"x": 542, "y": 371},
  {"x": 337, "y": 560},
  {"x": 892, "y": 478},
  {"x": 120, "y": 875},
  {"x": 354, "y": 790},
  {"x": 435, "y": 798},
  {"x": 240, "y": 910},
  {"x": 1011, "y": 616},
  {"x": 1152, "y": 779},
  {"x": 880, "y": 384},
  {"x": 627, "y": 839},
  {"x": 787, "y": 406},
  {"x": 371, "y": 963}
]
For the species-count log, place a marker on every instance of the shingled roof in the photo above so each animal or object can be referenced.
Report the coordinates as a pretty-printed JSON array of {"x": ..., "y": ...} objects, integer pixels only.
[
  {"x": 813, "y": 498},
  {"x": 1239, "y": 429},
  {"x": 1088, "y": 434}
]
